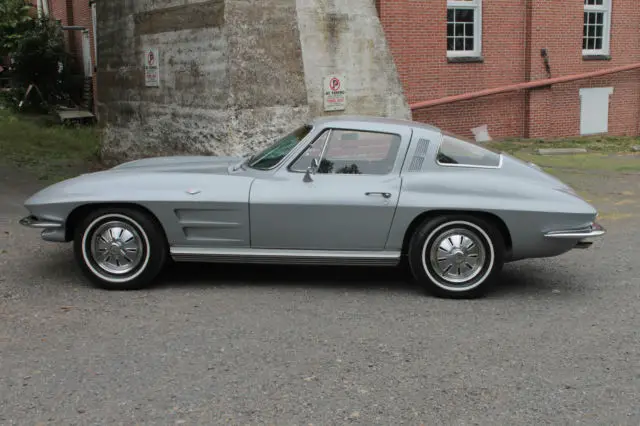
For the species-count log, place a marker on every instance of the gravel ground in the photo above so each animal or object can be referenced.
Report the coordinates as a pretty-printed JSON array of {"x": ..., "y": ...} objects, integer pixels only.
[{"x": 558, "y": 342}]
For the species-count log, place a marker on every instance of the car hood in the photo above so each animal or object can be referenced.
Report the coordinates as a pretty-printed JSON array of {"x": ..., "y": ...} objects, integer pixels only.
[
  {"x": 179, "y": 164},
  {"x": 147, "y": 177}
]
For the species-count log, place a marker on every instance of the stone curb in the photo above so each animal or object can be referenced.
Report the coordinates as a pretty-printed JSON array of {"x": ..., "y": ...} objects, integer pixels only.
[{"x": 559, "y": 151}]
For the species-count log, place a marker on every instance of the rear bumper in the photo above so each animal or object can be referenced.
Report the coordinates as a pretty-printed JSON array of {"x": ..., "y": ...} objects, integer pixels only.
[
  {"x": 584, "y": 237},
  {"x": 51, "y": 230}
]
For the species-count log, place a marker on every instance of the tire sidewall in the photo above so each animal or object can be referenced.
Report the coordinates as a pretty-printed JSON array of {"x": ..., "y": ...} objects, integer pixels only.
[
  {"x": 423, "y": 240},
  {"x": 154, "y": 252}
]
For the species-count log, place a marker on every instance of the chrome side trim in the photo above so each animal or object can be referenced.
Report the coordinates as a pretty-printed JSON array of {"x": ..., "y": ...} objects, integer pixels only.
[
  {"x": 595, "y": 230},
  {"x": 57, "y": 235},
  {"x": 281, "y": 256},
  {"x": 34, "y": 222}
]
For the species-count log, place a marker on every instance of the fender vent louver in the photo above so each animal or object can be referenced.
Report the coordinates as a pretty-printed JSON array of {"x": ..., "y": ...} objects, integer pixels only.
[{"x": 419, "y": 155}]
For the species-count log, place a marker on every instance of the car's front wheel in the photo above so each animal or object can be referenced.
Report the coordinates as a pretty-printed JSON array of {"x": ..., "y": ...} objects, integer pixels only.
[
  {"x": 456, "y": 256},
  {"x": 120, "y": 248}
]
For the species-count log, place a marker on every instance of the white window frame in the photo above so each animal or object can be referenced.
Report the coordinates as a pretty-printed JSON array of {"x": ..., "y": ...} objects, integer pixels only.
[
  {"x": 94, "y": 23},
  {"x": 477, "y": 27},
  {"x": 606, "y": 30}
]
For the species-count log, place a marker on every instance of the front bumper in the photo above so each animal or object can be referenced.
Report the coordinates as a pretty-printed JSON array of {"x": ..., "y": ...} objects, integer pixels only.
[
  {"x": 584, "y": 237},
  {"x": 51, "y": 230}
]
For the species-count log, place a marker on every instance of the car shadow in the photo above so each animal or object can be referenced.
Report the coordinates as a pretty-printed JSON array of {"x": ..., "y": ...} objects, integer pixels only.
[
  {"x": 331, "y": 277},
  {"x": 521, "y": 279}
]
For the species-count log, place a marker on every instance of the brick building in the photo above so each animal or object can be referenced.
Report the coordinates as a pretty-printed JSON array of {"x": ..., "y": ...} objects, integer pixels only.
[
  {"x": 77, "y": 17},
  {"x": 448, "y": 47}
]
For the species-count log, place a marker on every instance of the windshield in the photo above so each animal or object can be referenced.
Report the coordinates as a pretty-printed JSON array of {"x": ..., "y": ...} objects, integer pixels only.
[{"x": 272, "y": 155}]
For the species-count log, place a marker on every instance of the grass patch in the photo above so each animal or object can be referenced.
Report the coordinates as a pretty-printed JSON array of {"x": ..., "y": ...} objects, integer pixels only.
[
  {"x": 595, "y": 162},
  {"x": 48, "y": 150},
  {"x": 605, "y": 153},
  {"x": 596, "y": 144}
]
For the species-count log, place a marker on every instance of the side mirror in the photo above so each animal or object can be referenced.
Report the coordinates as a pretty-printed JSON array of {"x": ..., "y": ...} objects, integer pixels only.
[{"x": 311, "y": 170}]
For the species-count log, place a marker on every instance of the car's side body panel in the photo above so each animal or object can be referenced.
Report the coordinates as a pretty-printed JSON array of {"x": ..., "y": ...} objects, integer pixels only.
[
  {"x": 195, "y": 209},
  {"x": 331, "y": 211},
  {"x": 526, "y": 200}
]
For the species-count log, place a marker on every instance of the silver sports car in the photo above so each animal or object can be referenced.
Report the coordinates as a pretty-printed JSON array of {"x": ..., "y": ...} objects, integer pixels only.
[{"x": 338, "y": 190}]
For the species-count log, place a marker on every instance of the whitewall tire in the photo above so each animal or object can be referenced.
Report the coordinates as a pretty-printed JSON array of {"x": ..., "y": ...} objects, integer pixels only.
[
  {"x": 457, "y": 256},
  {"x": 120, "y": 248}
]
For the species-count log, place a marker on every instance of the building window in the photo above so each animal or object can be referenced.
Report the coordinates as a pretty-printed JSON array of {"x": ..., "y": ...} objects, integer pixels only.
[
  {"x": 464, "y": 27},
  {"x": 597, "y": 27}
]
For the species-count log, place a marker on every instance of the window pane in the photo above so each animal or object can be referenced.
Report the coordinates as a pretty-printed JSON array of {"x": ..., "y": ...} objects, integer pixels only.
[
  {"x": 450, "y": 30},
  {"x": 586, "y": 18},
  {"x": 450, "y": 43},
  {"x": 592, "y": 18},
  {"x": 599, "y": 18},
  {"x": 468, "y": 43},
  {"x": 598, "y": 43},
  {"x": 469, "y": 30},
  {"x": 584, "y": 43},
  {"x": 449, "y": 15},
  {"x": 459, "y": 30},
  {"x": 464, "y": 15},
  {"x": 272, "y": 155},
  {"x": 314, "y": 150},
  {"x": 455, "y": 150},
  {"x": 599, "y": 31},
  {"x": 459, "y": 44},
  {"x": 357, "y": 152},
  {"x": 590, "y": 43},
  {"x": 584, "y": 31},
  {"x": 591, "y": 31}
]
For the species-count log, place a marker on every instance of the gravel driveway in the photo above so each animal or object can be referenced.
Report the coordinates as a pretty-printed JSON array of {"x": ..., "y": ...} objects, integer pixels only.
[{"x": 557, "y": 342}]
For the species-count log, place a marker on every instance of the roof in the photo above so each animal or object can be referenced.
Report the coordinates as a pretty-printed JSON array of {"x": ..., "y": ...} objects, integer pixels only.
[{"x": 337, "y": 119}]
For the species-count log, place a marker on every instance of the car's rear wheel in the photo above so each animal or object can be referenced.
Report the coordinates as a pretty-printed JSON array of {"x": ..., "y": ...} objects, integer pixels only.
[
  {"x": 120, "y": 248},
  {"x": 456, "y": 256}
]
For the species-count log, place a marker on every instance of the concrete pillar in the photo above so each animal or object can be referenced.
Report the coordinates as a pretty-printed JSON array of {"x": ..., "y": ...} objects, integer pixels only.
[
  {"x": 234, "y": 74},
  {"x": 346, "y": 38}
]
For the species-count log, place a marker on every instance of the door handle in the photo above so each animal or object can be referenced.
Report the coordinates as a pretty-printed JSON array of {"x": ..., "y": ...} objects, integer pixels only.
[{"x": 384, "y": 194}]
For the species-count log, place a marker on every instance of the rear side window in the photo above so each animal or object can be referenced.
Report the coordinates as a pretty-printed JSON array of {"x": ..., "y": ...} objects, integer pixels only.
[{"x": 456, "y": 151}]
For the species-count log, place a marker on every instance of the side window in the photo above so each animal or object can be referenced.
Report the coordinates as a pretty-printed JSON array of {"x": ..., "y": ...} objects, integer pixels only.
[
  {"x": 314, "y": 150},
  {"x": 359, "y": 152},
  {"x": 455, "y": 150}
]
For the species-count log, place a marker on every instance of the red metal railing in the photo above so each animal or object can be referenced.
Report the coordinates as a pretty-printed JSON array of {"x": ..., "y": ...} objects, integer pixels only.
[{"x": 521, "y": 86}]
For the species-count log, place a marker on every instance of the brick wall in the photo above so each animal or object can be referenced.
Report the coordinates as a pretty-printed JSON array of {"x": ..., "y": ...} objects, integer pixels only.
[
  {"x": 76, "y": 13},
  {"x": 512, "y": 38}
]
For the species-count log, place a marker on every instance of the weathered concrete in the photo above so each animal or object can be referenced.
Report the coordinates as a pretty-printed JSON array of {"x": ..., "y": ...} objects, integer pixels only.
[
  {"x": 235, "y": 74},
  {"x": 346, "y": 37}
]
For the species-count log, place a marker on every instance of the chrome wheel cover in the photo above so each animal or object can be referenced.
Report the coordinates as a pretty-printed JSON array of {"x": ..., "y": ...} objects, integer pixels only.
[
  {"x": 457, "y": 255},
  {"x": 116, "y": 247}
]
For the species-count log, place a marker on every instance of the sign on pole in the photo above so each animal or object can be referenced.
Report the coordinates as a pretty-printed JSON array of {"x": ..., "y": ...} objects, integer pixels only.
[
  {"x": 335, "y": 93},
  {"x": 152, "y": 68}
]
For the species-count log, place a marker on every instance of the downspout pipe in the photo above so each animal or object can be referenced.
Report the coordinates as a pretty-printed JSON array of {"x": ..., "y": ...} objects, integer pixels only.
[{"x": 522, "y": 86}]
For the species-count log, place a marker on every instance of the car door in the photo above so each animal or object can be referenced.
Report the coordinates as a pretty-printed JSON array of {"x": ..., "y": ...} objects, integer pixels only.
[{"x": 347, "y": 204}]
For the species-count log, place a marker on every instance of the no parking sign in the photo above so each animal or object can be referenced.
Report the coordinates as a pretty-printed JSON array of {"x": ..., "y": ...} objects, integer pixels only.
[{"x": 335, "y": 94}]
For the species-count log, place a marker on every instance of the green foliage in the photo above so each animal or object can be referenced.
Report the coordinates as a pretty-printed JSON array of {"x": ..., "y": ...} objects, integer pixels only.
[
  {"x": 37, "y": 57},
  {"x": 14, "y": 19}
]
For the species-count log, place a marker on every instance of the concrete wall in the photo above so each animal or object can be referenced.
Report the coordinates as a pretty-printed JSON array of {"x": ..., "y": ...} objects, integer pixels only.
[
  {"x": 346, "y": 38},
  {"x": 234, "y": 73}
]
